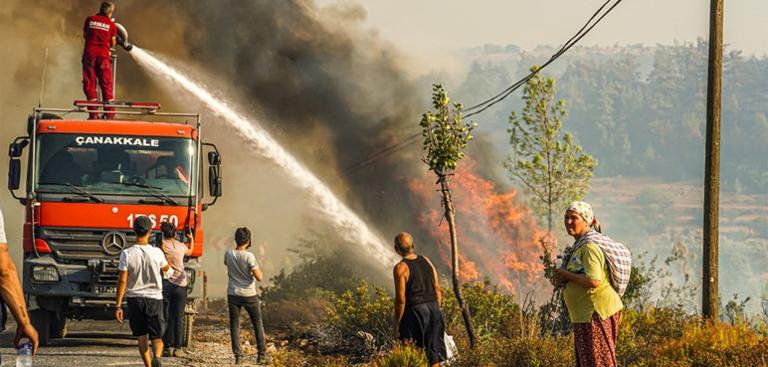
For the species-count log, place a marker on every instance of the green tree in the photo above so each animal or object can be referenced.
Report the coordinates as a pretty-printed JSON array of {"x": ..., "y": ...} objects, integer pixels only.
[
  {"x": 547, "y": 161},
  {"x": 445, "y": 137}
]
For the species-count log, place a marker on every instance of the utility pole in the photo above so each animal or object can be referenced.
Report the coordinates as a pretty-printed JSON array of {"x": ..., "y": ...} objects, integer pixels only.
[{"x": 709, "y": 295}]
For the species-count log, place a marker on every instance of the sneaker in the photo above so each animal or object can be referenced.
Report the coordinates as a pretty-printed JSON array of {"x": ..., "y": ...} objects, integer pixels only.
[
  {"x": 238, "y": 360},
  {"x": 179, "y": 353},
  {"x": 156, "y": 362},
  {"x": 168, "y": 352}
]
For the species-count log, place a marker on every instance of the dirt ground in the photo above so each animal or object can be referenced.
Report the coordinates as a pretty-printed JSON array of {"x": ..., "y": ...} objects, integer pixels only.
[{"x": 105, "y": 343}]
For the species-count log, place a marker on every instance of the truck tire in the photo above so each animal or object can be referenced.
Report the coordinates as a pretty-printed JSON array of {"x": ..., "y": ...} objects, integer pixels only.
[
  {"x": 58, "y": 326},
  {"x": 41, "y": 320},
  {"x": 189, "y": 323}
]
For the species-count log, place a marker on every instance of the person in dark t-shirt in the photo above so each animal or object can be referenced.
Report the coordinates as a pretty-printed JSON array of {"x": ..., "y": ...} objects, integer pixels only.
[
  {"x": 417, "y": 301},
  {"x": 100, "y": 35}
]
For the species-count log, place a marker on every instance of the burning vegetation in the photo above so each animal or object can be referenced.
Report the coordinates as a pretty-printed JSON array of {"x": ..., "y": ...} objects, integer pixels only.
[{"x": 499, "y": 236}]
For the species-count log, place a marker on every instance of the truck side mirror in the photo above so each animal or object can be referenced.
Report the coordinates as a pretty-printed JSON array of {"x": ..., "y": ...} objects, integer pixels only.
[
  {"x": 17, "y": 148},
  {"x": 214, "y": 175},
  {"x": 15, "y": 151},
  {"x": 214, "y": 159},
  {"x": 214, "y": 181},
  {"x": 14, "y": 174}
]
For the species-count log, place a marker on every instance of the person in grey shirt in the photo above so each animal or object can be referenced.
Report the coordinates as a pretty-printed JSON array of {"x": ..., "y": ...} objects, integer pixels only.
[{"x": 243, "y": 273}]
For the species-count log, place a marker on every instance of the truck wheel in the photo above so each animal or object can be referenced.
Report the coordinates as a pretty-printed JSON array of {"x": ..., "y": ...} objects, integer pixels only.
[
  {"x": 58, "y": 326},
  {"x": 41, "y": 320},
  {"x": 189, "y": 322}
]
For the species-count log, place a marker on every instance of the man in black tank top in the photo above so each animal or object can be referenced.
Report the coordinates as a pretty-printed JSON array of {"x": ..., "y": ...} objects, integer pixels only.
[{"x": 417, "y": 301}]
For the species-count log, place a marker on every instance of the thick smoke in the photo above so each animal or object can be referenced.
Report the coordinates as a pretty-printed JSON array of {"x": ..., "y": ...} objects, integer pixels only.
[{"x": 332, "y": 92}]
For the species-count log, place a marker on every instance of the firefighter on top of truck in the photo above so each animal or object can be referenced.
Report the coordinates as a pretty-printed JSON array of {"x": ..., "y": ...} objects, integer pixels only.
[{"x": 100, "y": 35}]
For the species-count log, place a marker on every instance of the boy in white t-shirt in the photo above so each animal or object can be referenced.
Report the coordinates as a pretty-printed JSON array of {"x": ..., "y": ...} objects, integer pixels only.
[{"x": 141, "y": 269}]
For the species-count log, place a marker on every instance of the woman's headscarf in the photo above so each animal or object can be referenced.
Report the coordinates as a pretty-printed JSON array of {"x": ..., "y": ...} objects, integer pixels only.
[{"x": 584, "y": 210}]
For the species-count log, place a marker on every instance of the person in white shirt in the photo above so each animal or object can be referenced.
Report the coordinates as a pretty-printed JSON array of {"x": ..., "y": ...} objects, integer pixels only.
[
  {"x": 141, "y": 270},
  {"x": 243, "y": 272}
]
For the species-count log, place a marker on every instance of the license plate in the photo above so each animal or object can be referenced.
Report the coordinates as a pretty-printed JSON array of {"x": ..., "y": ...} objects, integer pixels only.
[{"x": 106, "y": 289}]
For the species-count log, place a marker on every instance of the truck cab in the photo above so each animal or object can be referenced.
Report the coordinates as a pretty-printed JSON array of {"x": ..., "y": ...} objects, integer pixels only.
[{"x": 86, "y": 181}]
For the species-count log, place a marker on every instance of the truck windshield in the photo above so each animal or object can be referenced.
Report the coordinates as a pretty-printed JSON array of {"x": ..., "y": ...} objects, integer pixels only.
[{"x": 116, "y": 164}]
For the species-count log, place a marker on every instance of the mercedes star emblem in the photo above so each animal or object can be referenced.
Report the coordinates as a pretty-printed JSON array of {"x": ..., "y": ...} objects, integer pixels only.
[{"x": 113, "y": 243}]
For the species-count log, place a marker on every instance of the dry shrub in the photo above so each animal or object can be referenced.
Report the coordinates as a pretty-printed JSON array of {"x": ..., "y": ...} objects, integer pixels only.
[
  {"x": 403, "y": 355},
  {"x": 295, "y": 314},
  {"x": 640, "y": 333},
  {"x": 669, "y": 337},
  {"x": 297, "y": 300},
  {"x": 495, "y": 314},
  {"x": 715, "y": 344},
  {"x": 295, "y": 358},
  {"x": 525, "y": 351},
  {"x": 358, "y": 324}
]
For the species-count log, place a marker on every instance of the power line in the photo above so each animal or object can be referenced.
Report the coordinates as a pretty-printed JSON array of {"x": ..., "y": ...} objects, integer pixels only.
[
  {"x": 481, "y": 107},
  {"x": 573, "y": 41},
  {"x": 552, "y": 58}
]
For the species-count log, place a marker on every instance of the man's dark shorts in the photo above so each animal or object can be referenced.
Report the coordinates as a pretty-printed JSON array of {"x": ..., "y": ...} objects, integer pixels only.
[
  {"x": 424, "y": 326},
  {"x": 145, "y": 316}
]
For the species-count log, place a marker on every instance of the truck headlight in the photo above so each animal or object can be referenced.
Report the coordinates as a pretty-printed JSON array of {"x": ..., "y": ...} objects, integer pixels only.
[{"x": 45, "y": 273}]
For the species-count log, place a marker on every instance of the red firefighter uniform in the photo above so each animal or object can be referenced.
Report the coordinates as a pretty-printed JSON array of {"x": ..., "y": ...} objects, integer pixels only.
[{"x": 99, "y": 32}]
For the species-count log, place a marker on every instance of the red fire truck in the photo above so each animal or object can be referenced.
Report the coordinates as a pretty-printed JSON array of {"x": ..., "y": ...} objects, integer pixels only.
[{"x": 85, "y": 183}]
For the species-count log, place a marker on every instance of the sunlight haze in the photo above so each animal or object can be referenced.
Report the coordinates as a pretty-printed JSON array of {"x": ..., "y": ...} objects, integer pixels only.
[{"x": 424, "y": 26}]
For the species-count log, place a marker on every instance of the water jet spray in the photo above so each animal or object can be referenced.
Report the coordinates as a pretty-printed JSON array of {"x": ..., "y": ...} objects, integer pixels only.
[{"x": 349, "y": 225}]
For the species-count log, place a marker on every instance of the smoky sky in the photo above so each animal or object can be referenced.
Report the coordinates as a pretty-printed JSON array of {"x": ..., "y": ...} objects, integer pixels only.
[{"x": 332, "y": 92}]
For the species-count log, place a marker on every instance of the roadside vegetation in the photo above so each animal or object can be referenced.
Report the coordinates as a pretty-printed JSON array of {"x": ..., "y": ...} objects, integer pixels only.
[{"x": 343, "y": 318}]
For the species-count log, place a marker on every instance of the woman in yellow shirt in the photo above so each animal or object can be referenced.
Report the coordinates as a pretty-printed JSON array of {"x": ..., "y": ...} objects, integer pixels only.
[{"x": 593, "y": 305}]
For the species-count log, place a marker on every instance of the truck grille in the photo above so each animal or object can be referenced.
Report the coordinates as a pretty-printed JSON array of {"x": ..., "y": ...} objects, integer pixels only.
[
  {"x": 77, "y": 244},
  {"x": 108, "y": 274}
]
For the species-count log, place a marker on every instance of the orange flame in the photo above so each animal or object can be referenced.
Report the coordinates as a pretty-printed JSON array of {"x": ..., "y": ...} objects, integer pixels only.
[{"x": 498, "y": 237}]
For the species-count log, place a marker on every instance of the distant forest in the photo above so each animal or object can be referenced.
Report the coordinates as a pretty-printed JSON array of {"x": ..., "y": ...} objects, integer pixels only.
[{"x": 641, "y": 110}]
